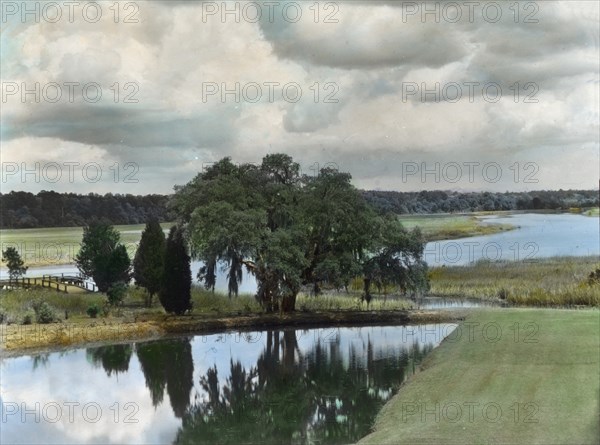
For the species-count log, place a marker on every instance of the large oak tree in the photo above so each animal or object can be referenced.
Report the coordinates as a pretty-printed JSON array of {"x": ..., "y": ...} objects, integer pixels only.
[{"x": 290, "y": 230}]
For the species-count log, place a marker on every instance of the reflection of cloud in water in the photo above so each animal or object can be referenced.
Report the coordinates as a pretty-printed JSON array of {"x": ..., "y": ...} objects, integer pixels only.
[
  {"x": 70, "y": 378},
  {"x": 112, "y": 378}
]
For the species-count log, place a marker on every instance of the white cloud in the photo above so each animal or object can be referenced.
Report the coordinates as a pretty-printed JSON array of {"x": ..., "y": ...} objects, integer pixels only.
[{"x": 371, "y": 54}]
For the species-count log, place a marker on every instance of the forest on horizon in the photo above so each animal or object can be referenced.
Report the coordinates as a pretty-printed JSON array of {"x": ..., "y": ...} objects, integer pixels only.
[{"x": 19, "y": 210}]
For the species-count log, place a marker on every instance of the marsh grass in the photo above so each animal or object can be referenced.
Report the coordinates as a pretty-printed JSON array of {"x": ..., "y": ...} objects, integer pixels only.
[
  {"x": 342, "y": 301},
  {"x": 559, "y": 281},
  {"x": 206, "y": 302},
  {"x": 14, "y": 304}
]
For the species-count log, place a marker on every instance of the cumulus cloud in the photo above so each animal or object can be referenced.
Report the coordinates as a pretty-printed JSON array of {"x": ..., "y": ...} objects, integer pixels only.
[
  {"x": 364, "y": 37},
  {"x": 378, "y": 84}
]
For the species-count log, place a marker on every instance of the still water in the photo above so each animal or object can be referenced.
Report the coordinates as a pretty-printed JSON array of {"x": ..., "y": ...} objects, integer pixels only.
[
  {"x": 267, "y": 387},
  {"x": 536, "y": 236}
]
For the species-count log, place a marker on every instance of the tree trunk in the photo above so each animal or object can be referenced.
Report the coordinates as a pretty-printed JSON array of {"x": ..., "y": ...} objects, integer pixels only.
[
  {"x": 367, "y": 291},
  {"x": 288, "y": 303}
]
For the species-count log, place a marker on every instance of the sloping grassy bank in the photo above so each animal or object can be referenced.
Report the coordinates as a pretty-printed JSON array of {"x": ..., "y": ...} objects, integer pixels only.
[{"x": 511, "y": 376}]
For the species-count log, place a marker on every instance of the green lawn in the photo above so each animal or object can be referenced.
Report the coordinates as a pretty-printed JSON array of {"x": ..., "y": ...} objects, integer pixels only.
[
  {"x": 441, "y": 227},
  {"x": 535, "y": 385}
]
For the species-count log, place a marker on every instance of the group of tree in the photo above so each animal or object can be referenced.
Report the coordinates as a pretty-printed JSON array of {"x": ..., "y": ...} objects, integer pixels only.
[
  {"x": 51, "y": 209},
  {"x": 164, "y": 267},
  {"x": 290, "y": 230},
  {"x": 438, "y": 201},
  {"x": 160, "y": 266}
]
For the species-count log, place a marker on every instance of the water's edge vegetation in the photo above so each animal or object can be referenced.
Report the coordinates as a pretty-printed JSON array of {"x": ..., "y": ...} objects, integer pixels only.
[
  {"x": 552, "y": 282},
  {"x": 29, "y": 339}
]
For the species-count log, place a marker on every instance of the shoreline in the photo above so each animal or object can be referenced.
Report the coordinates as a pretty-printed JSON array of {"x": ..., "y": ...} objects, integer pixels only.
[{"x": 23, "y": 340}]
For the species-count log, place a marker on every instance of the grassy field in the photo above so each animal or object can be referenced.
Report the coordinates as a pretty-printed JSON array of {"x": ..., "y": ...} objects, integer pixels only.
[
  {"x": 552, "y": 281},
  {"x": 535, "y": 385},
  {"x": 59, "y": 245},
  {"x": 443, "y": 227}
]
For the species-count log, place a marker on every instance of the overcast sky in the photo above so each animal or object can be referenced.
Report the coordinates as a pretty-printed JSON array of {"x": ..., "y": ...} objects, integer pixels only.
[{"x": 477, "y": 100}]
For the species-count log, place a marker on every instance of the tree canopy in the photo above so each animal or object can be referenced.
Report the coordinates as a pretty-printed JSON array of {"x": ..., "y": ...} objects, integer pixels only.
[
  {"x": 175, "y": 292},
  {"x": 102, "y": 257},
  {"x": 290, "y": 230},
  {"x": 16, "y": 266},
  {"x": 149, "y": 259}
]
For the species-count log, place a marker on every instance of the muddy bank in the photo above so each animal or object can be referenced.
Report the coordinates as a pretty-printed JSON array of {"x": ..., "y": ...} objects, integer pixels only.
[{"x": 18, "y": 340}]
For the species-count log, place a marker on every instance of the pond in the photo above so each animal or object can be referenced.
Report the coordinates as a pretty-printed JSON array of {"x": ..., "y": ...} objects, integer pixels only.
[{"x": 281, "y": 387}]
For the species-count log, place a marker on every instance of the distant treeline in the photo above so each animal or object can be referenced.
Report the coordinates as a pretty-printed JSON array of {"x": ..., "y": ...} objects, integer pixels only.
[
  {"x": 20, "y": 210},
  {"x": 448, "y": 202}
]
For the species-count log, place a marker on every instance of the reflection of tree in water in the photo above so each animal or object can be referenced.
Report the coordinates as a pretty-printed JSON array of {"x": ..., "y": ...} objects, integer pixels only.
[
  {"x": 113, "y": 358},
  {"x": 40, "y": 360},
  {"x": 44, "y": 359},
  {"x": 293, "y": 398},
  {"x": 168, "y": 364}
]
